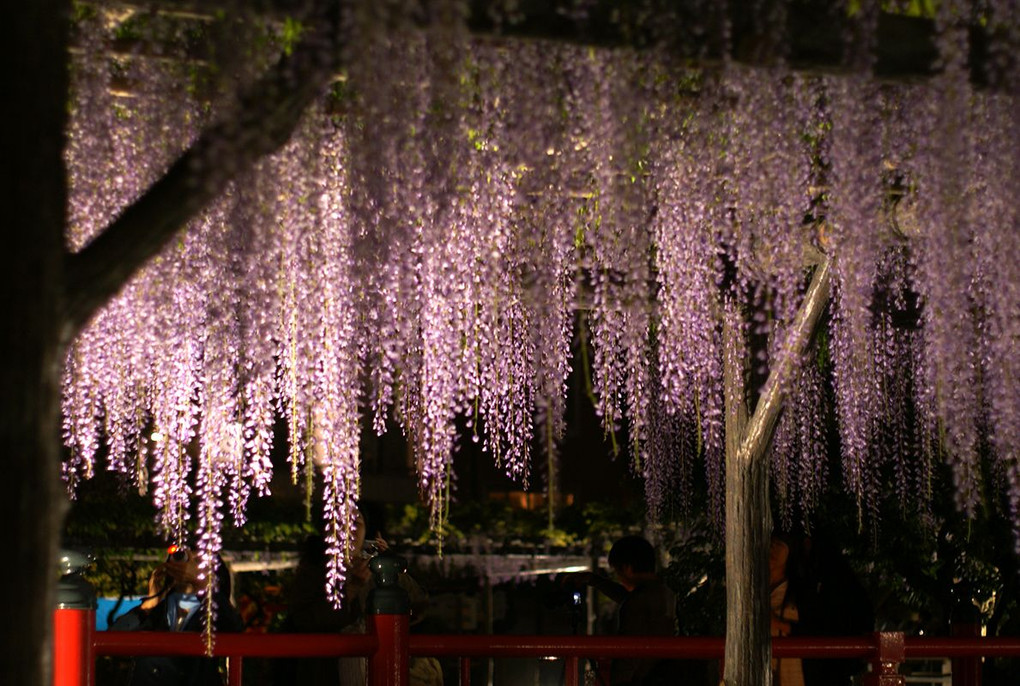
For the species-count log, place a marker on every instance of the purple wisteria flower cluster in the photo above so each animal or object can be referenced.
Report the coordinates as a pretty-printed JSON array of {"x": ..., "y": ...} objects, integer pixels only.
[{"x": 421, "y": 249}]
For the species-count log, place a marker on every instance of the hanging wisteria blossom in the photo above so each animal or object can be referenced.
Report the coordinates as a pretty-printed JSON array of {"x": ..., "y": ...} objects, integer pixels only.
[{"x": 417, "y": 255}]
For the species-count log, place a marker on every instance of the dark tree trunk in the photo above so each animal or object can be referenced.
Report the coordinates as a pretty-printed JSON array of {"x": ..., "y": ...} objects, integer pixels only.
[{"x": 34, "y": 40}]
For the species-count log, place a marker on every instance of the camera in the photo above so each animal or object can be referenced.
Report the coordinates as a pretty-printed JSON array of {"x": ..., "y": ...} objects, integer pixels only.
[
  {"x": 176, "y": 553},
  {"x": 561, "y": 593}
]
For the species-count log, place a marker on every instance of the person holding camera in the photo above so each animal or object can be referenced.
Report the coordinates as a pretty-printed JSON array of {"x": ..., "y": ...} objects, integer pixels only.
[
  {"x": 174, "y": 603},
  {"x": 645, "y": 607}
]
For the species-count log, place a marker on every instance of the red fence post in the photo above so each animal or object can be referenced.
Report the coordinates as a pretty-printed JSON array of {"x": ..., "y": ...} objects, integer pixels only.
[
  {"x": 235, "y": 670},
  {"x": 885, "y": 668},
  {"x": 74, "y": 622},
  {"x": 966, "y": 670},
  {"x": 572, "y": 672},
  {"x": 389, "y": 619},
  {"x": 388, "y": 665},
  {"x": 72, "y": 646}
]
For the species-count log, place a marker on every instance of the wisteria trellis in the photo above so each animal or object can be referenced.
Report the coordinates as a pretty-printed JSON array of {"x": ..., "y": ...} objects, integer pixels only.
[{"x": 419, "y": 249}]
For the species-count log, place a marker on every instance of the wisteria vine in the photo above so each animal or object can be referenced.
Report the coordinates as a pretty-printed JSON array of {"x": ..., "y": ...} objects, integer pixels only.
[{"x": 417, "y": 252}]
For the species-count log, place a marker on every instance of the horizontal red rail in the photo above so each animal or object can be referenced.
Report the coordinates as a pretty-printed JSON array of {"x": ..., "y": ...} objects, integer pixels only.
[
  {"x": 389, "y": 662},
  {"x": 818, "y": 647},
  {"x": 232, "y": 645},
  {"x": 922, "y": 646},
  {"x": 564, "y": 646},
  {"x": 704, "y": 648}
]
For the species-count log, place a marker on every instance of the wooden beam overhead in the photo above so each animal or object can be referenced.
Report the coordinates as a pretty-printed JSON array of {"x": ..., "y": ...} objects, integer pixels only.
[{"x": 811, "y": 37}]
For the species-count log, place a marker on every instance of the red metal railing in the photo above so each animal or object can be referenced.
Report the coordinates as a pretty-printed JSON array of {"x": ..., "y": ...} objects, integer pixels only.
[{"x": 388, "y": 646}]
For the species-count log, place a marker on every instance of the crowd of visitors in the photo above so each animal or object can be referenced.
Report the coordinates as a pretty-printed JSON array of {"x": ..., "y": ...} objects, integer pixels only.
[{"x": 813, "y": 592}]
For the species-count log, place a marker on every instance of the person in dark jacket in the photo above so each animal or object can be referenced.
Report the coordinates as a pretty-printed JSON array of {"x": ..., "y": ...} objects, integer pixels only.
[
  {"x": 833, "y": 603},
  {"x": 646, "y": 607},
  {"x": 174, "y": 604}
]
